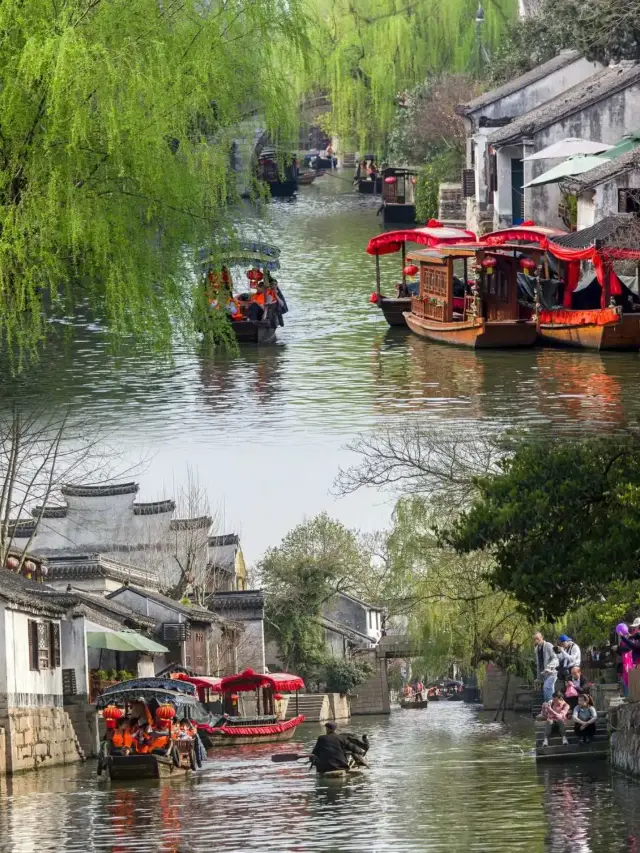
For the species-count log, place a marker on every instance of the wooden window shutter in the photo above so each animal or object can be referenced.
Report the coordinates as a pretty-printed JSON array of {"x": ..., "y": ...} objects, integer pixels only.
[
  {"x": 32, "y": 627},
  {"x": 54, "y": 645},
  {"x": 468, "y": 183}
]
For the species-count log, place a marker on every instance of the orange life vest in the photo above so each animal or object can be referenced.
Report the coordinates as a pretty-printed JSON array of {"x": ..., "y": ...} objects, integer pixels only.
[
  {"x": 258, "y": 298},
  {"x": 122, "y": 740}
]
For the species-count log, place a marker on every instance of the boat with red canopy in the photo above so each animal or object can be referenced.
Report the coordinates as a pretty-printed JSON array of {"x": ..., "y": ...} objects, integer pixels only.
[
  {"x": 267, "y": 725},
  {"x": 390, "y": 242},
  {"x": 592, "y": 309}
]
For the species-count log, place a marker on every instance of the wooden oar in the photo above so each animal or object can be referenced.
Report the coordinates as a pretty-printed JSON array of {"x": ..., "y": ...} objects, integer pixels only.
[{"x": 289, "y": 756}]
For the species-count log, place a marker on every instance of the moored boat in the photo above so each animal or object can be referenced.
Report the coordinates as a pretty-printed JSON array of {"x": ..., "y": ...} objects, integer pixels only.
[
  {"x": 266, "y": 726},
  {"x": 150, "y": 730},
  {"x": 390, "y": 242},
  {"x": 594, "y": 309},
  {"x": 280, "y": 172},
  {"x": 306, "y": 178},
  {"x": 398, "y": 196},
  {"x": 483, "y": 314}
]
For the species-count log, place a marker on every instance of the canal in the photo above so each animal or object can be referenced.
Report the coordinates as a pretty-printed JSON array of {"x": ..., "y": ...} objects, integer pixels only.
[
  {"x": 440, "y": 780},
  {"x": 275, "y": 421}
]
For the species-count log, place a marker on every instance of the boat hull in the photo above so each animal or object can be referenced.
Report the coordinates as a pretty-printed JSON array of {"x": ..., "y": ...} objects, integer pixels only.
[
  {"x": 398, "y": 213},
  {"x": 125, "y": 768},
  {"x": 215, "y": 741},
  {"x": 370, "y": 187},
  {"x": 283, "y": 189},
  {"x": 394, "y": 309},
  {"x": 417, "y": 705},
  {"x": 250, "y": 332},
  {"x": 475, "y": 334},
  {"x": 623, "y": 335}
]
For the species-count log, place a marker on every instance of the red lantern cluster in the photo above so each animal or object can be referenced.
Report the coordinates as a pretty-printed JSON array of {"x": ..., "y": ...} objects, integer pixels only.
[
  {"x": 527, "y": 265},
  {"x": 411, "y": 270},
  {"x": 255, "y": 275},
  {"x": 111, "y": 715}
]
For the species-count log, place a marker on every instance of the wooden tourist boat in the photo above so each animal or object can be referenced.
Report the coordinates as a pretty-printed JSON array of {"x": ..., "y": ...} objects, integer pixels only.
[
  {"x": 398, "y": 196},
  {"x": 598, "y": 312},
  {"x": 390, "y": 242},
  {"x": 369, "y": 186},
  {"x": 408, "y": 704},
  {"x": 262, "y": 259},
  {"x": 155, "y": 747},
  {"x": 486, "y": 315},
  {"x": 306, "y": 178},
  {"x": 280, "y": 173},
  {"x": 267, "y": 726}
]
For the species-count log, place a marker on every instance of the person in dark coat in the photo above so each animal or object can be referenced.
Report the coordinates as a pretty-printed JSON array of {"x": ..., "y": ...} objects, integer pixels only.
[{"x": 331, "y": 751}]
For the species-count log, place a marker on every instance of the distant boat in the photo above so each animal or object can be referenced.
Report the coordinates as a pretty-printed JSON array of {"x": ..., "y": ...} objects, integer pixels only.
[{"x": 398, "y": 196}]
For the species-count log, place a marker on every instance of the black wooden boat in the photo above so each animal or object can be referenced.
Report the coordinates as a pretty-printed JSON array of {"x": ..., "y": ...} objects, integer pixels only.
[
  {"x": 398, "y": 196},
  {"x": 126, "y": 768},
  {"x": 255, "y": 331},
  {"x": 394, "y": 309},
  {"x": 369, "y": 187},
  {"x": 408, "y": 704},
  {"x": 281, "y": 174}
]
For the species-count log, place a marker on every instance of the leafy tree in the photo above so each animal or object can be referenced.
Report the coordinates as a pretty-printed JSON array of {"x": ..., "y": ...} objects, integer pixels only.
[
  {"x": 341, "y": 676},
  {"x": 559, "y": 519},
  {"x": 117, "y": 124}
]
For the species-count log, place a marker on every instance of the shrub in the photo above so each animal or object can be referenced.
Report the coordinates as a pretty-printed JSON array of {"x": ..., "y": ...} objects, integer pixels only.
[{"x": 343, "y": 675}]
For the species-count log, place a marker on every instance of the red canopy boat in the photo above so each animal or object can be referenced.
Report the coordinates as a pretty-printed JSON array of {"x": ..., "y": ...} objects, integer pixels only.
[
  {"x": 433, "y": 234},
  {"x": 602, "y": 317},
  {"x": 267, "y": 726}
]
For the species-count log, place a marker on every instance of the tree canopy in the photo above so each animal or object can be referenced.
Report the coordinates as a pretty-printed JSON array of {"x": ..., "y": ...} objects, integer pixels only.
[
  {"x": 117, "y": 120},
  {"x": 560, "y": 520}
]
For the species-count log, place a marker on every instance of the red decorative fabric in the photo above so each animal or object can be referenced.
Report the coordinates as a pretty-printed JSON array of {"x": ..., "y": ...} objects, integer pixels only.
[
  {"x": 524, "y": 232},
  {"x": 243, "y": 731},
  {"x": 572, "y": 280},
  {"x": 392, "y": 241},
  {"x": 248, "y": 680},
  {"x": 597, "y": 317}
]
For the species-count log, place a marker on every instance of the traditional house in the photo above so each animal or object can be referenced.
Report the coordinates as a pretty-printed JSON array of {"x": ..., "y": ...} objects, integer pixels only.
[
  {"x": 498, "y": 108},
  {"x": 607, "y": 190},
  {"x": 603, "y": 108},
  {"x": 95, "y": 573},
  {"x": 192, "y": 633},
  {"x": 35, "y": 730},
  {"x": 356, "y": 615},
  {"x": 243, "y": 631}
]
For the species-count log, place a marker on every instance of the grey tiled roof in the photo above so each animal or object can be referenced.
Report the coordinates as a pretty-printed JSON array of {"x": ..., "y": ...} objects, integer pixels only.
[
  {"x": 602, "y": 85},
  {"x": 195, "y": 613},
  {"x": 18, "y": 591},
  {"x": 609, "y": 229},
  {"x": 564, "y": 58},
  {"x": 606, "y": 172}
]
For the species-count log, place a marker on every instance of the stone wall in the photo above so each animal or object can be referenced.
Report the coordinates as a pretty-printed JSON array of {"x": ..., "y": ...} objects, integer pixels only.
[
  {"x": 3, "y": 752},
  {"x": 38, "y": 737},
  {"x": 373, "y": 695},
  {"x": 493, "y": 687},
  {"x": 625, "y": 741},
  {"x": 452, "y": 207}
]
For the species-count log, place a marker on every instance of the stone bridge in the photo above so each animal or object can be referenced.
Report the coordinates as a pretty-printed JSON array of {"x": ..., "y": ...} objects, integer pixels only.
[{"x": 397, "y": 646}]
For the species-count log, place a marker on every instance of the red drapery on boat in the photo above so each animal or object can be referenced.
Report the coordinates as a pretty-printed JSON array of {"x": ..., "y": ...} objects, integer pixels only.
[
  {"x": 250, "y": 680},
  {"x": 238, "y": 731},
  {"x": 431, "y": 235},
  {"x": 596, "y": 317},
  {"x": 527, "y": 232}
]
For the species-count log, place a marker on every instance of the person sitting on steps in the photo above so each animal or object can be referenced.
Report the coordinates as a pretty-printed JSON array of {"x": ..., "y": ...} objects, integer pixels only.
[
  {"x": 555, "y": 713},
  {"x": 584, "y": 717}
]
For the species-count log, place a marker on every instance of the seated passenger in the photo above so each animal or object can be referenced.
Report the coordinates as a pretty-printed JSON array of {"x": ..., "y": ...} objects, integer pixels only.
[
  {"x": 555, "y": 713},
  {"x": 122, "y": 739},
  {"x": 257, "y": 304},
  {"x": 584, "y": 717}
]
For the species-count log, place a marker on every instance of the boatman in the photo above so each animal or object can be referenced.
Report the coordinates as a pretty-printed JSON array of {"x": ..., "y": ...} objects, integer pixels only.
[{"x": 331, "y": 751}]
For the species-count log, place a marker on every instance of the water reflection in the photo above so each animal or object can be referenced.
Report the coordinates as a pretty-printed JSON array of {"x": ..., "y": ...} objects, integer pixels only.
[{"x": 441, "y": 780}]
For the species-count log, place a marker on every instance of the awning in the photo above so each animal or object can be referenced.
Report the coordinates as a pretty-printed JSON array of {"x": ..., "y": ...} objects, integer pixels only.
[
  {"x": 123, "y": 641},
  {"x": 527, "y": 231},
  {"x": 433, "y": 234},
  {"x": 573, "y": 166},
  {"x": 569, "y": 147}
]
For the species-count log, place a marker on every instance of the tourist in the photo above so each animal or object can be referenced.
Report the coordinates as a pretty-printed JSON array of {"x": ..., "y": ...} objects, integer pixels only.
[
  {"x": 331, "y": 752},
  {"x": 419, "y": 691},
  {"x": 122, "y": 739},
  {"x": 546, "y": 666},
  {"x": 257, "y": 304},
  {"x": 575, "y": 686},
  {"x": 555, "y": 713},
  {"x": 584, "y": 717},
  {"x": 631, "y": 642},
  {"x": 569, "y": 655}
]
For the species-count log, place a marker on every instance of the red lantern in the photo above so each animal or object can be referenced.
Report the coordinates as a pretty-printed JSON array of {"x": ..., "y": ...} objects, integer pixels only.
[
  {"x": 12, "y": 563},
  {"x": 166, "y": 712},
  {"x": 278, "y": 696},
  {"x": 255, "y": 275},
  {"x": 411, "y": 270},
  {"x": 111, "y": 715},
  {"x": 528, "y": 223},
  {"x": 373, "y": 299},
  {"x": 528, "y": 265},
  {"x": 488, "y": 265},
  {"x": 390, "y": 179},
  {"x": 30, "y": 566},
  {"x": 433, "y": 223}
]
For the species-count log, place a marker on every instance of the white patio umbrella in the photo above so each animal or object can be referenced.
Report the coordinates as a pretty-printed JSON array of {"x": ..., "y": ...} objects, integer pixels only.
[
  {"x": 573, "y": 166},
  {"x": 569, "y": 147}
]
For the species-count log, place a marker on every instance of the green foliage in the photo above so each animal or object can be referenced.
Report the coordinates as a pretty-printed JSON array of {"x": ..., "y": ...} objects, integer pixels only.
[
  {"x": 560, "y": 520},
  {"x": 114, "y": 157},
  {"x": 368, "y": 51},
  {"x": 341, "y": 676},
  {"x": 445, "y": 167}
]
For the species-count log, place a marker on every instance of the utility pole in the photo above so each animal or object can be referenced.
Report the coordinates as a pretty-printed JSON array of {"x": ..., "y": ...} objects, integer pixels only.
[{"x": 479, "y": 49}]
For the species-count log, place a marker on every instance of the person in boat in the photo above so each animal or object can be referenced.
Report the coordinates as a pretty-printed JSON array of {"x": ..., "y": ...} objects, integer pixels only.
[
  {"x": 584, "y": 718},
  {"x": 555, "y": 713},
  {"x": 226, "y": 301},
  {"x": 419, "y": 691},
  {"x": 275, "y": 297},
  {"x": 257, "y": 307},
  {"x": 122, "y": 740},
  {"x": 331, "y": 751}
]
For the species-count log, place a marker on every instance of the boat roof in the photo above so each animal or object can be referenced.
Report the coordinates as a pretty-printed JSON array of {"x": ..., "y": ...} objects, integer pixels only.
[
  {"x": 241, "y": 252},
  {"x": 142, "y": 694},
  {"x": 433, "y": 234},
  {"x": 527, "y": 232},
  {"x": 442, "y": 252},
  {"x": 208, "y": 681}
]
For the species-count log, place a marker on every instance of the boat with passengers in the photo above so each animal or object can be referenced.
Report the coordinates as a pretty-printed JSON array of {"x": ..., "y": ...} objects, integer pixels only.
[
  {"x": 234, "y": 725},
  {"x": 581, "y": 301},
  {"x": 150, "y": 729},
  {"x": 257, "y": 311},
  {"x": 433, "y": 234}
]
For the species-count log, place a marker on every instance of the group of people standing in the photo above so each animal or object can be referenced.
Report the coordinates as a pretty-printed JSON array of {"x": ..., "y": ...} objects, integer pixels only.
[{"x": 560, "y": 664}]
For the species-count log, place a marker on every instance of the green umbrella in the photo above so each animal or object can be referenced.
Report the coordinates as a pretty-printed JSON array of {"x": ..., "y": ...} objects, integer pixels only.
[
  {"x": 573, "y": 166},
  {"x": 142, "y": 643},
  {"x": 626, "y": 144},
  {"x": 123, "y": 641}
]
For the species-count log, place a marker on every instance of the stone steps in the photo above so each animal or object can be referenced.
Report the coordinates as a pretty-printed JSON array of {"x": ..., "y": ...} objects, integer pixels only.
[{"x": 312, "y": 705}]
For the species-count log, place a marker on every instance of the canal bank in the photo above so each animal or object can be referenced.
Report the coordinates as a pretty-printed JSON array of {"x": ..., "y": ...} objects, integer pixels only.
[{"x": 440, "y": 780}]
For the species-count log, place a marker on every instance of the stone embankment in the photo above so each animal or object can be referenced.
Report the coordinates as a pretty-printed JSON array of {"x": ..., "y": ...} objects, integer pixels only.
[{"x": 32, "y": 738}]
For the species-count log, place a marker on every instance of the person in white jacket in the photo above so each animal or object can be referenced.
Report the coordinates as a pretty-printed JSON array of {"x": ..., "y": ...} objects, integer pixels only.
[{"x": 570, "y": 654}]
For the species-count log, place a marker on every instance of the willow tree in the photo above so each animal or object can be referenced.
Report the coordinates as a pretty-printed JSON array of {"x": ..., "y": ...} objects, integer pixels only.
[
  {"x": 372, "y": 50},
  {"x": 116, "y": 121}
]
